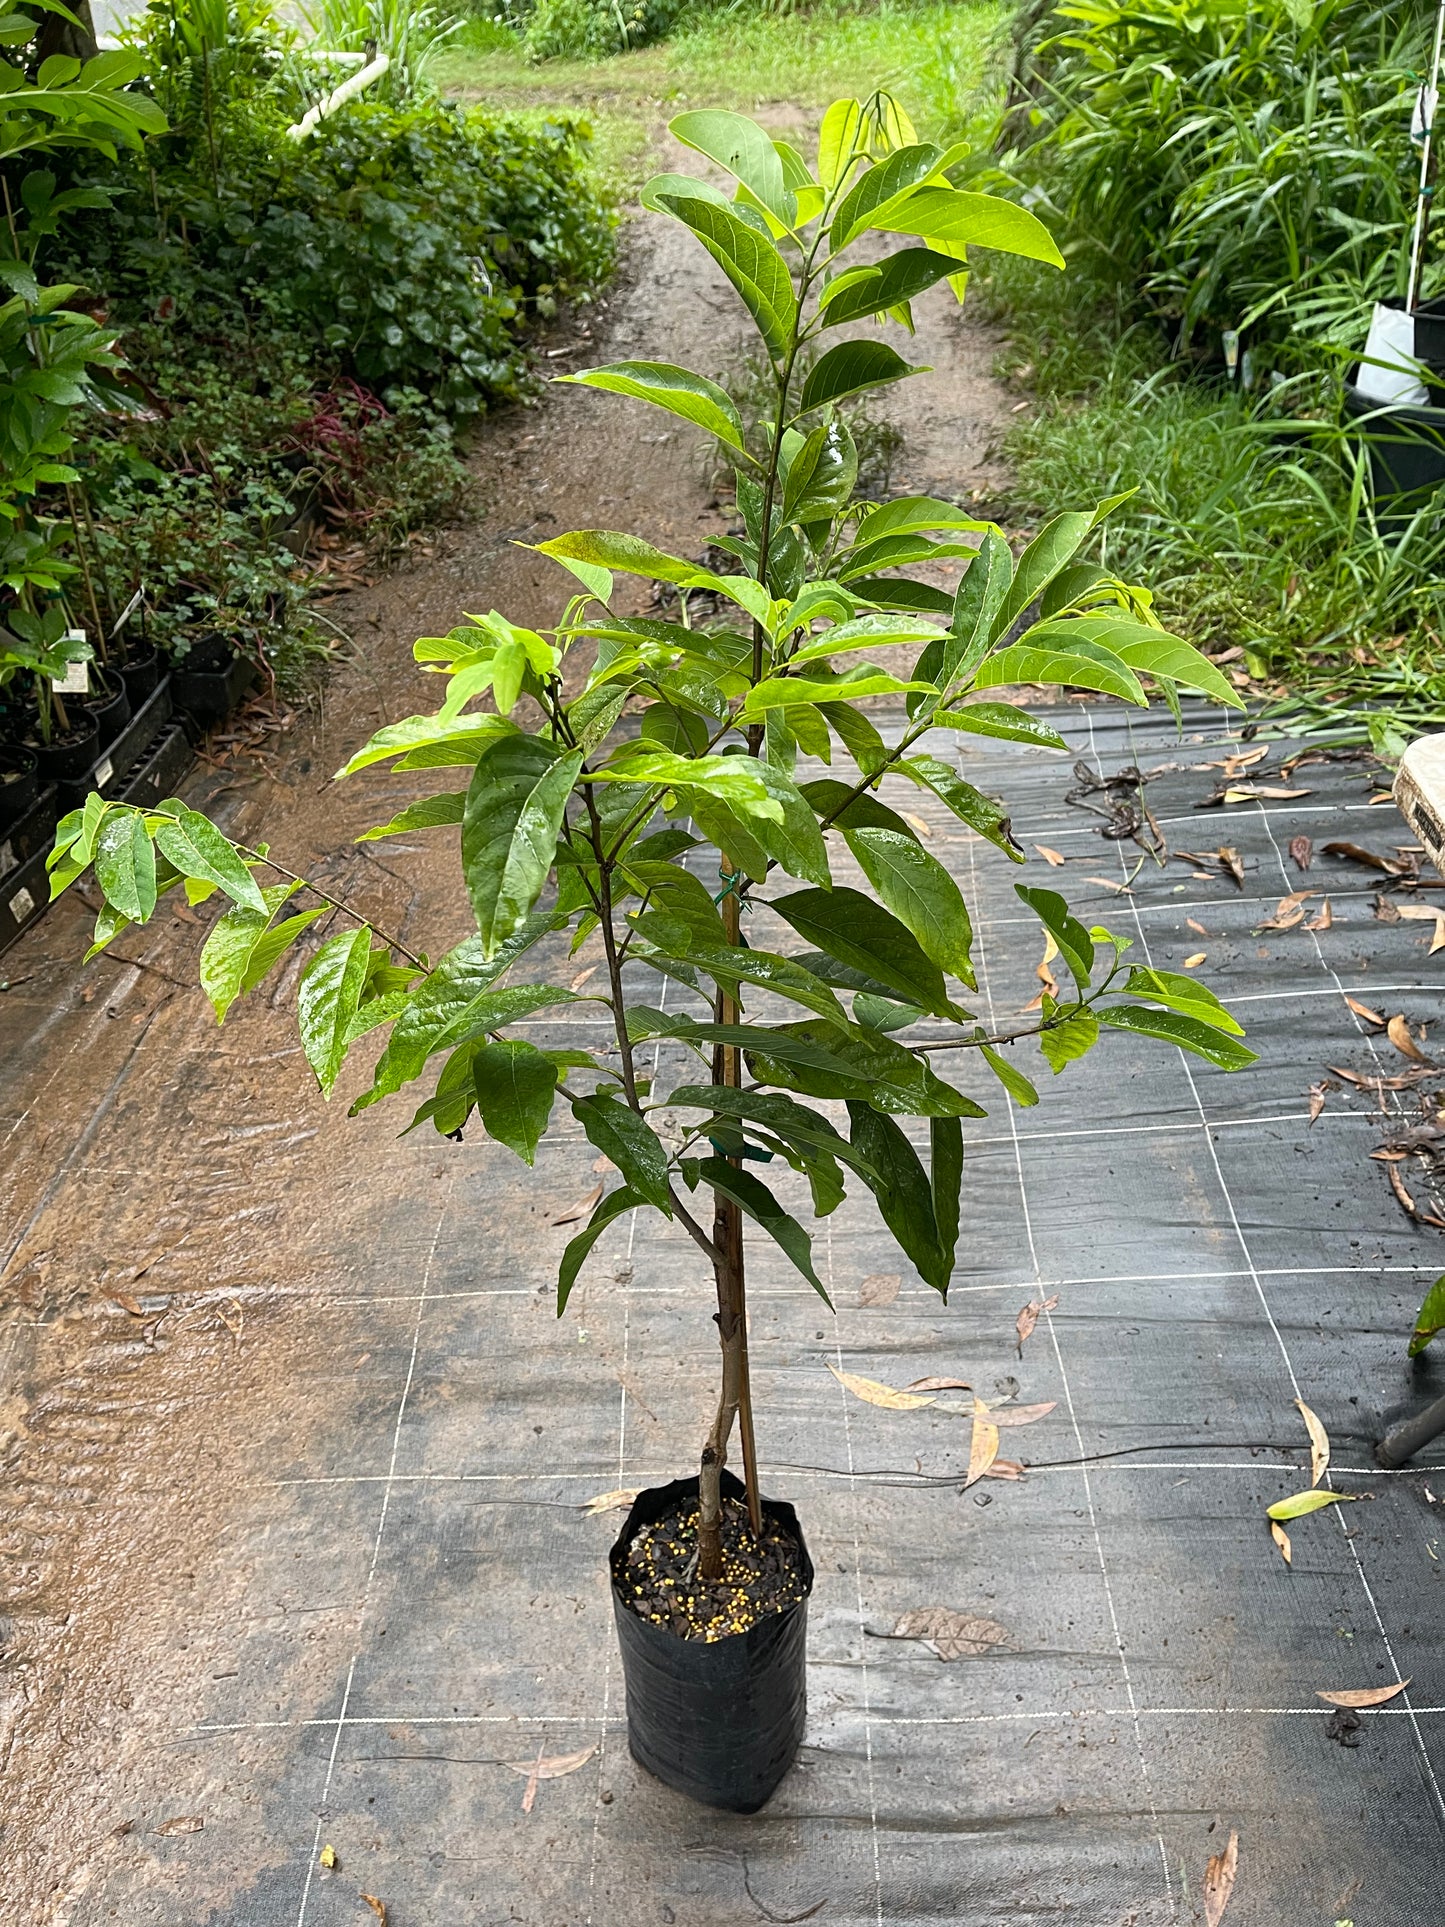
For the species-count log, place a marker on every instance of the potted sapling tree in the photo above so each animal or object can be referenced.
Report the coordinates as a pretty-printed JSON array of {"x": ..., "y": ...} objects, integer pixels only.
[{"x": 666, "y": 795}]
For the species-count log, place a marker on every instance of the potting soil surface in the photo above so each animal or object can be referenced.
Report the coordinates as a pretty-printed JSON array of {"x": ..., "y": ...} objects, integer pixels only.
[{"x": 368, "y": 1524}]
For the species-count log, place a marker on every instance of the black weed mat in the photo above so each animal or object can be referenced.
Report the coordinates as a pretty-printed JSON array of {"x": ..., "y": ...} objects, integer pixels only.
[{"x": 1208, "y": 1256}]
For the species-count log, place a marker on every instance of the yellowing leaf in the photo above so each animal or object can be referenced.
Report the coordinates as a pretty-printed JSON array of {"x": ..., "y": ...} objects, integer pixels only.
[
  {"x": 982, "y": 1446},
  {"x": 1319, "y": 1443},
  {"x": 1049, "y": 856},
  {"x": 378, "y": 1907},
  {"x": 1362, "y": 1695},
  {"x": 1281, "y": 1539},
  {"x": 328, "y": 1858},
  {"x": 1193, "y": 963},
  {"x": 1300, "y": 1503},
  {"x": 872, "y": 1393},
  {"x": 1219, "y": 1881}
]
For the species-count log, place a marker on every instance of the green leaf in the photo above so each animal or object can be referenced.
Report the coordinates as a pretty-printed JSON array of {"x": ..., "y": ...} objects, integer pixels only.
[
  {"x": 621, "y": 1134},
  {"x": 904, "y": 1194},
  {"x": 428, "y": 813},
  {"x": 834, "y": 799},
  {"x": 1013, "y": 1080},
  {"x": 860, "y": 292},
  {"x": 456, "y": 741},
  {"x": 610, "y": 1207},
  {"x": 920, "y": 893},
  {"x": 1172, "y": 1027},
  {"x": 776, "y": 692},
  {"x": 821, "y": 475},
  {"x": 327, "y": 1000},
  {"x": 948, "y": 214},
  {"x": 841, "y": 140},
  {"x": 245, "y": 944},
  {"x": 796, "y": 843},
  {"x": 692, "y": 397},
  {"x": 754, "y": 1197},
  {"x": 125, "y": 865},
  {"x": 1298, "y": 1504},
  {"x": 783, "y": 1116},
  {"x": 849, "y": 369},
  {"x": 945, "y": 1178},
  {"x": 862, "y": 934},
  {"x": 732, "y": 964},
  {"x": 1178, "y": 992},
  {"x": 744, "y": 149},
  {"x": 857, "y": 735},
  {"x": 883, "y": 1013},
  {"x": 1075, "y": 944},
  {"x": 1084, "y": 666},
  {"x": 1431, "y": 1319},
  {"x": 969, "y": 805},
  {"x": 515, "y": 1084},
  {"x": 514, "y": 809},
  {"x": 738, "y": 781},
  {"x": 629, "y": 553},
  {"x": 683, "y": 896},
  {"x": 1074, "y": 1037},
  {"x": 1053, "y": 546},
  {"x": 196, "y": 848},
  {"x": 729, "y": 834},
  {"x": 1002, "y": 720},
  {"x": 1147, "y": 651},
  {"x": 880, "y": 185},
  {"x": 749, "y": 260}
]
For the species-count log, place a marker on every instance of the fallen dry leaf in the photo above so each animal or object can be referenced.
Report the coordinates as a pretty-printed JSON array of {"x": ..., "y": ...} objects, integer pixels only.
[
  {"x": 582, "y": 976},
  {"x": 1244, "y": 758},
  {"x": 1324, "y": 919},
  {"x": 1301, "y": 851},
  {"x": 1358, "y": 854},
  {"x": 328, "y": 1858},
  {"x": 1004, "y": 1469},
  {"x": 1397, "y": 1185},
  {"x": 581, "y": 1209},
  {"x": 1398, "y": 1032},
  {"x": 1193, "y": 963},
  {"x": 1427, "y": 913},
  {"x": 1229, "y": 860},
  {"x": 555, "y": 1766},
  {"x": 1363, "y": 1010},
  {"x": 1119, "y": 889},
  {"x": 378, "y": 1907},
  {"x": 1281, "y": 1539},
  {"x": 1198, "y": 928},
  {"x": 1049, "y": 856},
  {"x": 940, "y": 1385},
  {"x": 183, "y": 1823},
  {"x": 952, "y": 1635},
  {"x": 127, "y": 1303},
  {"x": 1021, "y": 1414},
  {"x": 1362, "y": 1695},
  {"x": 982, "y": 1445},
  {"x": 1319, "y": 1443},
  {"x": 603, "y": 1164},
  {"x": 872, "y": 1393},
  {"x": 1029, "y": 1317},
  {"x": 1219, "y": 1881},
  {"x": 880, "y": 1288},
  {"x": 1043, "y": 973},
  {"x": 1288, "y": 912},
  {"x": 617, "y": 1500},
  {"x": 1317, "y": 1100}
]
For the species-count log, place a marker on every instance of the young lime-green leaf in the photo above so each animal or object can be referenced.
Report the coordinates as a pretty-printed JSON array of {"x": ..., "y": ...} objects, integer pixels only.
[
  {"x": 1076, "y": 1035},
  {"x": 327, "y": 999},
  {"x": 692, "y": 397},
  {"x": 749, "y": 260},
  {"x": 951, "y": 217},
  {"x": 514, "y": 1084},
  {"x": 851, "y": 368},
  {"x": 1298, "y": 1504},
  {"x": 610, "y": 1207},
  {"x": 744, "y": 149},
  {"x": 1178, "y": 992},
  {"x": 630, "y": 1141},
  {"x": 841, "y": 140},
  {"x": 125, "y": 865},
  {"x": 783, "y": 691},
  {"x": 684, "y": 184},
  {"x": 735, "y": 780},
  {"x": 228, "y": 951},
  {"x": 758, "y": 1202},
  {"x": 1013, "y": 1080},
  {"x": 1174, "y": 1027},
  {"x": 514, "y": 810},
  {"x": 460, "y": 739},
  {"x": 1083, "y": 666},
  {"x": 916, "y": 889},
  {"x": 193, "y": 844},
  {"x": 428, "y": 813},
  {"x": 1431, "y": 1318},
  {"x": 629, "y": 553}
]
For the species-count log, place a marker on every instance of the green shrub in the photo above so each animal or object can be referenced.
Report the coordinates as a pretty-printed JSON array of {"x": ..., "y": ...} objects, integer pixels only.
[{"x": 595, "y": 28}]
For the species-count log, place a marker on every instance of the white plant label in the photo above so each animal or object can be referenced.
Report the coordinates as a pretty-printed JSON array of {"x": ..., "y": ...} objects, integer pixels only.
[
  {"x": 22, "y": 905},
  {"x": 8, "y": 860},
  {"x": 75, "y": 681},
  {"x": 103, "y": 773}
]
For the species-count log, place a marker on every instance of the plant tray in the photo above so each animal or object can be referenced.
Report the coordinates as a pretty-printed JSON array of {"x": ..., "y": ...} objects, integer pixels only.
[
  {"x": 207, "y": 696},
  {"x": 24, "y": 894},
  {"x": 31, "y": 833},
  {"x": 113, "y": 770}
]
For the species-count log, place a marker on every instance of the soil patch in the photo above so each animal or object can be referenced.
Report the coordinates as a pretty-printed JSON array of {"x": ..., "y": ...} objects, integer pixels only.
[{"x": 760, "y": 1575}]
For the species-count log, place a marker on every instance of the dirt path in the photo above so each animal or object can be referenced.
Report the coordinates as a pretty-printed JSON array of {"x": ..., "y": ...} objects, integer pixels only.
[{"x": 197, "y": 1257}]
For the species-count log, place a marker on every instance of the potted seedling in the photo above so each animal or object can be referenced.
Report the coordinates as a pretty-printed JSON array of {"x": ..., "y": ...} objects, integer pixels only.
[{"x": 646, "y": 811}]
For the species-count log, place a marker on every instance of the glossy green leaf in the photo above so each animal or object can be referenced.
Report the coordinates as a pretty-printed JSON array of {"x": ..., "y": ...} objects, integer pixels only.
[
  {"x": 919, "y": 892},
  {"x": 327, "y": 1000},
  {"x": 749, "y": 260},
  {"x": 861, "y": 292},
  {"x": 857, "y": 735},
  {"x": 1001, "y": 720},
  {"x": 904, "y": 1194},
  {"x": 515, "y": 806},
  {"x": 1083, "y": 666},
  {"x": 736, "y": 780},
  {"x": 821, "y": 475},
  {"x": 1051, "y": 549},
  {"x": 610, "y": 1207},
  {"x": 125, "y": 865},
  {"x": 783, "y": 1116},
  {"x": 677, "y": 390},
  {"x": 862, "y": 934},
  {"x": 795, "y": 843},
  {"x": 1013, "y": 1080},
  {"x": 514, "y": 1084},
  {"x": 198, "y": 849},
  {"x": 744, "y": 149},
  {"x": 457, "y": 741},
  {"x": 1431, "y": 1319},
  {"x": 836, "y": 802},
  {"x": 945, "y": 1180},
  {"x": 951, "y": 216},
  {"x": 851, "y": 368},
  {"x": 428, "y": 813},
  {"x": 758, "y": 1202},
  {"x": 878, "y": 187},
  {"x": 1074, "y": 1037},
  {"x": 1189, "y": 1033},
  {"x": 781, "y": 691},
  {"x": 969, "y": 805},
  {"x": 732, "y": 964},
  {"x": 1178, "y": 992},
  {"x": 607, "y": 548},
  {"x": 621, "y": 1134},
  {"x": 1075, "y": 944}
]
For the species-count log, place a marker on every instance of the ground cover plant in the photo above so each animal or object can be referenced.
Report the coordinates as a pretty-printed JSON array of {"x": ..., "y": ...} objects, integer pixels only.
[{"x": 652, "y": 833}]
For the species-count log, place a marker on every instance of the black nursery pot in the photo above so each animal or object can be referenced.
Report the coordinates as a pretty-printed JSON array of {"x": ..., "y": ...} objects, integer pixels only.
[
  {"x": 720, "y": 1722},
  {"x": 140, "y": 672},
  {"x": 109, "y": 704},
  {"x": 68, "y": 758},
  {"x": 19, "y": 782}
]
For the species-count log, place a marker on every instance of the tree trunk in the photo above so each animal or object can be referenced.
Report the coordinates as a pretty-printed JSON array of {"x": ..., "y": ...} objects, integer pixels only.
[
  {"x": 59, "y": 36},
  {"x": 735, "y": 1394}
]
